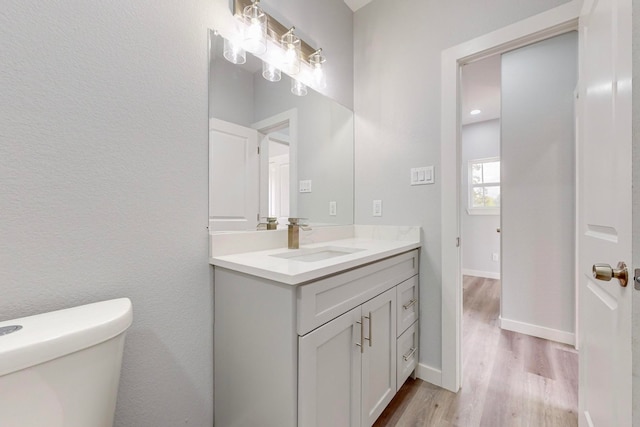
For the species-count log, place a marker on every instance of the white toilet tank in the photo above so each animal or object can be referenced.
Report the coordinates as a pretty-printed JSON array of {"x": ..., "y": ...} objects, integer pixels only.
[{"x": 61, "y": 369}]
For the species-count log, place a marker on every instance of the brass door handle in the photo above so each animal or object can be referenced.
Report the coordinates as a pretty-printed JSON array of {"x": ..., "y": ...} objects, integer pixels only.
[{"x": 606, "y": 272}]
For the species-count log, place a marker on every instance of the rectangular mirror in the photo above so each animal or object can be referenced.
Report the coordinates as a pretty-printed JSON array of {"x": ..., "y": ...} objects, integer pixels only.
[{"x": 273, "y": 153}]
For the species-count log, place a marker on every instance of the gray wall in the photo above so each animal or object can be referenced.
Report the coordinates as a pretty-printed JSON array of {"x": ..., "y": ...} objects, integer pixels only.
[
  {"x": 237, "y": 92},
  {"x": 538, "y": 183},
  {"x": 397, "y": 48},
  {"x": 479, "y": 237},
  {"x": 103, "y": 171},
  {"x": 325, "y": 148}
]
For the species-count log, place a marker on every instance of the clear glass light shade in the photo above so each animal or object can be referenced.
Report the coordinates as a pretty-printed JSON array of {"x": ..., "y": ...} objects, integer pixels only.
[
  {"x": 297, "y": 88},
  {"x": 255, "y": 29},
  {"x": 316, "y": 60},
  {"x": 319, "y": 78},
  {"x": 271, "y": 73},
  {"x": 234, "y": 53},
  {"x": 291, "y": 57}
]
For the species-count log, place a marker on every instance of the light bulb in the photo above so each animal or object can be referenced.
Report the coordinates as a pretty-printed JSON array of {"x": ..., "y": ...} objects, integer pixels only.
[
  {"x": 291, "y": 63},
  {"x": 319, "y": 78},
  {"x": 234, "y": 53},
  {"x": 291, "y": 59},
  {"x": 298, "y": 88},
  {"x": 270, "y": 73},
  {"x": 255, "y": 31},
  {"x": 316, "y": 60}
]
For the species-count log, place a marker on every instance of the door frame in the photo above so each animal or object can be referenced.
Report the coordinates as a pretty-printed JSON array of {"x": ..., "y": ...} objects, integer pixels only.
[
  {"x": 548, "y": 24},
  {"x": 278, "y": 121}
]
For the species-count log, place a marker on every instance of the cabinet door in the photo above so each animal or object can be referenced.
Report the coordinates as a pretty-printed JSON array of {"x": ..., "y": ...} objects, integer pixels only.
[
  {"x": 329, "y": 374},
  {"x": 379, "y": 357}
]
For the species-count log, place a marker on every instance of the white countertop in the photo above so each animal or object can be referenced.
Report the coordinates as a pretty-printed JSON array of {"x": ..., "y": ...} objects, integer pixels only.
[{"x": 294, "y": 272}]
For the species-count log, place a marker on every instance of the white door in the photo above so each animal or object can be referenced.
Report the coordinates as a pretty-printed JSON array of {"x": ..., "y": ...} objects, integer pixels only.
[
  {"x": 329, "y": 373},
  {"x": 233, "y": 176},
  {"x": 279, "y": 187},
  {"x": 379, "y": 356},
  {"x": 605, "y": 219}
]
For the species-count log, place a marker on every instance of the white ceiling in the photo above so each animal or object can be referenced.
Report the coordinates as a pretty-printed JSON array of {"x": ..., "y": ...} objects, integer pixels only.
[
  {"x": 481, "y": 90},
  {"x": 356, "y": 4}
]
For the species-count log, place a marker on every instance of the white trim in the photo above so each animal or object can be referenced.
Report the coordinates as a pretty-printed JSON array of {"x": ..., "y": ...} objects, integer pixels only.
[
  {"x": 429, "y": 374},
  {"x": 538, "y": 331},
  {"x": 478, "y": 273},
  {"x": 288, "y": 118},
  {"x": 483, "y": 211},
  {"x": 539, "y": 27}
]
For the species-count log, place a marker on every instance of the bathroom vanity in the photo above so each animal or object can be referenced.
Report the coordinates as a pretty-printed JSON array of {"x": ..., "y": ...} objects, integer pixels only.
[{"x": 320, "y": 336}]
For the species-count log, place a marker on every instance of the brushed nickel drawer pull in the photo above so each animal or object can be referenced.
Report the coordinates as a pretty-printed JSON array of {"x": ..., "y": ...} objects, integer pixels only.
[
  {"x": 359, "y": 344},
  {"x": 408, "y": 356},
  {"x": 409, "y": 304},
  {"x": 370, "y": 322}
]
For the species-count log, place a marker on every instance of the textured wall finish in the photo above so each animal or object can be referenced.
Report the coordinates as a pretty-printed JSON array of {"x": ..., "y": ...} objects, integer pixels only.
[
  {"x": 103, "y": 180},
  {"x": 397, "y": 48}
]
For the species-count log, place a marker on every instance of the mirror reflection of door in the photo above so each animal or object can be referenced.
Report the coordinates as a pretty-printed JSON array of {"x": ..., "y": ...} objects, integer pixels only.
[
  {"x": 279, "y": 157},
  {"x": 278, "y": 171},
  {"x": 233, "y": 183}
]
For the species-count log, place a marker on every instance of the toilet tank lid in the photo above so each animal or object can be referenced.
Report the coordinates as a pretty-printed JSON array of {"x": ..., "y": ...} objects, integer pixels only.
[{"x": 47, "y": 336}]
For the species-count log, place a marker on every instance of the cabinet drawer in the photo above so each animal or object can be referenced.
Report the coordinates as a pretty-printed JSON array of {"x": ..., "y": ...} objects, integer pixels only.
[
  {"x": 407, "y": 300},
  {"x": 326, "y": 299},
  {"x": 407, "y": 356}
]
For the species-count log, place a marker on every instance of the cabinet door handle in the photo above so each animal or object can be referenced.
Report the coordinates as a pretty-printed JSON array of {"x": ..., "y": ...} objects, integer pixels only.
[
  {"x": 408, "y": 356},
  {"x": 370, "y": 328},
  {"x": 360, "y": 344},
  {"x": 409, "y": 304}
]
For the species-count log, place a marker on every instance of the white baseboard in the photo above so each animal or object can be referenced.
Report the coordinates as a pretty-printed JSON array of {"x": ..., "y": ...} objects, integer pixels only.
[
  {"x": 538, "y": 331},
  {"x": 429, "y": 374},
  {"x": 478, "y": 273}
]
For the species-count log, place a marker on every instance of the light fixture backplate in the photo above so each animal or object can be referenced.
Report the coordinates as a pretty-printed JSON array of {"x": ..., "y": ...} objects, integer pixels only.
[{"x": 275, "y": 29}]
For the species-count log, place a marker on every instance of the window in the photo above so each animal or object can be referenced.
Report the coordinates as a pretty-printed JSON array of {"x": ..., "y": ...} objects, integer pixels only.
[{"x": 484, "y": 186}]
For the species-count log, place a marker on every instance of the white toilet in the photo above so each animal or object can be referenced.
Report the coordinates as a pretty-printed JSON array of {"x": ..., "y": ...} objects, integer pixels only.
[{"x": 61, "y": 369}]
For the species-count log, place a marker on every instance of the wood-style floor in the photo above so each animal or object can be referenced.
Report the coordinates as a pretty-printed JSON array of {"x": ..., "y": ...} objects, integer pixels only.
[{"x": 509, "y": 379}]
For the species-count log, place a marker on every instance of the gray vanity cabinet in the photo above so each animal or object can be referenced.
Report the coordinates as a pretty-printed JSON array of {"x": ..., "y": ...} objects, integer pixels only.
[
  {"x": 347, "y": 367},
  {"x": 322, "y": 353}
]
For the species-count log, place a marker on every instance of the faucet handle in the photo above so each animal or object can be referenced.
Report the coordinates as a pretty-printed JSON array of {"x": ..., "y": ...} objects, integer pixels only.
[
  {"x": 271, "y": 224},
  {"x": 296, "y": 221}
]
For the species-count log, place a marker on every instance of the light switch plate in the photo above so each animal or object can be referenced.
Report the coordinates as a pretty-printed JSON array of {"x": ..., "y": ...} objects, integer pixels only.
[
  {"x": 422, "y": 176},
  {"x": 333, "y": 208},
  {"x": 305, "y": 186},
  {"x": 377, "y": 208}
]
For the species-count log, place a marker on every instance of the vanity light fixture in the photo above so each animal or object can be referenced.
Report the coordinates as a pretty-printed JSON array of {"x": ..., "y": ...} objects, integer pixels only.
[
  {"x": 316, "y": 60},
  {"x": 475, "y": 112},
  {"x": 291, "y": 59},
  {"x": 298, "y": 88},
  {"x": 270, "y": 72},
  {"x": 255, "y": 28},
  {"x": 278, "y": 46},
  {"x": 234, "y": 53}
]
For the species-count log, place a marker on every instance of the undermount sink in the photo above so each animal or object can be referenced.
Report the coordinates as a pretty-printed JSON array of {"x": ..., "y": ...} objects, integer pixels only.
[{"x": 316, "y": 254}]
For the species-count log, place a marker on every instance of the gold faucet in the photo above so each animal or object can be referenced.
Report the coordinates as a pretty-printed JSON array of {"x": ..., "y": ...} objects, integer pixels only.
[
  {"x": 294, "y": 227},
  {"x": 271, "y": 224}
]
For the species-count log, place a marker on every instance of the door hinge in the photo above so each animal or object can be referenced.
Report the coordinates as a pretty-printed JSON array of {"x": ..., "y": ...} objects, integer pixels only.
[
  {"x": 457, "y": 242},
  {"x": 258, "y": 150},
  {"x": 636, "y": 279}
]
